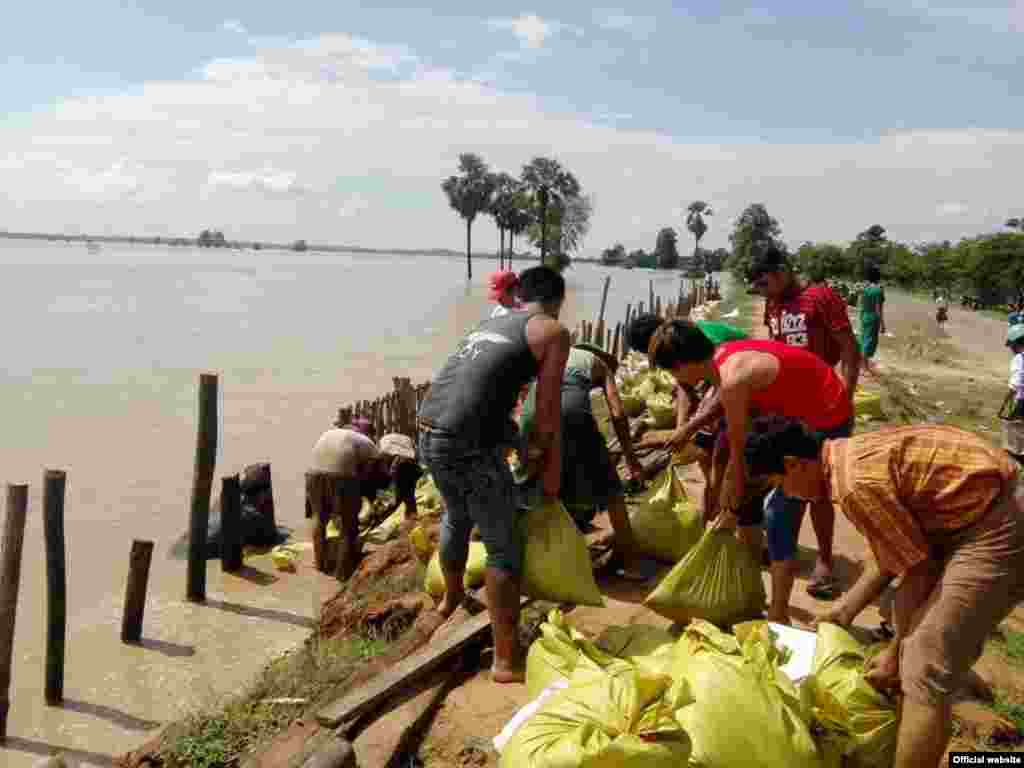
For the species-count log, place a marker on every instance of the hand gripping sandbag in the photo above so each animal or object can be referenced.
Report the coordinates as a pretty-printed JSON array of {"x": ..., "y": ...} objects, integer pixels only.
[
  {"x": 745, "y": 711},
  {"x": 387, "y": 529},
  {"x": 666, "y": 525},
  {"x": 662, "y": 410},
  {"x": 473, "y": 577},
  {"x": 556, "y": 563},
  {"x": 718, "y": 580},
  {"x": 609, "y": 717},
  {"x": 553, "y": 656},
  {"x": 862, "y": 721},
  {"x": 868, "y": 404}
]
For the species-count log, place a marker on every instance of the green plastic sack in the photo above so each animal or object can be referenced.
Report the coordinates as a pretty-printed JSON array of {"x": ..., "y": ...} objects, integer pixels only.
[
  {"x": 646, "y": 388},
  {"x": 609, "y": 717},
  {"x": 718, "y": 580},
  {"x": 666, "y": 524},
  {"x": 745, "y": 711},
  {"x": 860, "y": 720},
  {"x": 433, "y": 582},
  {"x": 663, "y": 381},
  {"x": 652, "y": 649},
  {"x": 868, "y": 404},
  {"x": 556, "y": 563},
  {"x": 554, "y": 655},
  {"x": 662, "y": 410}
]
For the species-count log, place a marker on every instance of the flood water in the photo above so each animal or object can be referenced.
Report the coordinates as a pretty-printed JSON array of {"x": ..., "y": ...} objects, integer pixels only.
[{"x": 101, "y": 359}]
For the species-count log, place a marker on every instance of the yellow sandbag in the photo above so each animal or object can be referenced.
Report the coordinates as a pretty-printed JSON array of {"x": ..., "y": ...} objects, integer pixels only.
[
  {"x": 868, "y": 404},
  {"x": 662, "y": 411},
  {"x": 387, "y": 529},
  {"x": 862, "y": 722},
  {"x": 553, "y": 655},
  {"x": 332, "y": 531},
  {"x": 666, "y": 524},
  {"x": 663, "y": 381},
  {"x": 613, "y": 717},
  {"x": 284, "y": 557},
  {"x": 646, "y": 389},
  {"x": 649, "y": 648},
  {"x": 556, "y": 563},
  {"x": 433, "y": 582},
  {"x": 366, "y": 512},
  {"x": 420, "y": 543},
  {"x": 745, "y": 711},
  {"x": 718, "y": 581}
]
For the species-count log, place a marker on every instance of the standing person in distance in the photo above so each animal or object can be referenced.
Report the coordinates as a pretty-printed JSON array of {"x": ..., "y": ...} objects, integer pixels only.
[
  {"x": 811, "y": 317},
  {"x": 872, "y": 315},
  {"x": 463, "y": 428}
]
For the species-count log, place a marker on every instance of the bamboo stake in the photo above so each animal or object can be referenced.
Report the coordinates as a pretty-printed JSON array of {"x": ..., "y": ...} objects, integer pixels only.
[
  {"x": 202, "y": 483},
  {"x": 54, "y": 484},
  {"x": 135, "y": 592},
  {"x": 231, "y": 524},
  {"x": 604, "y": 298},
  {"x": 10, "y": 580}
]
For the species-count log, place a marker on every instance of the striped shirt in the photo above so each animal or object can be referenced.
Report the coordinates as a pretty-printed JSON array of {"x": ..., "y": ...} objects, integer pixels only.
[{"x": 904, "y": 487}]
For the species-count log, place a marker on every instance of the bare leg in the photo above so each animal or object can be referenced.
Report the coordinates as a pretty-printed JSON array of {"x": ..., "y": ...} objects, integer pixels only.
[
  {"x": 823, "y": 518},
  {"x": 503, "y": 605},
  {"x": 783, "y": 576},
  {"x": 923, "y": 736},
  {"x": 454, "y": 589}
]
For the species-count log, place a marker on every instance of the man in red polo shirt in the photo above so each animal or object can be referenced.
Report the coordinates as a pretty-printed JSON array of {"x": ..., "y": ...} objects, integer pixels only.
[{"x": 814, "y": 318}]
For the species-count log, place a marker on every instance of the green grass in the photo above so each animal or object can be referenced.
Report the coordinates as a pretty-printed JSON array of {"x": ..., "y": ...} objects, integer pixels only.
[
  {"x": 1012, "y": 711},
  {"x": 1010, "y": 643}
]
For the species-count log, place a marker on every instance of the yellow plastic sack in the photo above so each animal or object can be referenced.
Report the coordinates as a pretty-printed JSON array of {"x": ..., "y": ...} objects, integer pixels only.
[
  {"x": 556, "y": 563},
  {"x": 428, "y": 497},
  {"x": 868, "y": 404},
  {"x": 433, "y": 582},
  {"x": 366, "y": 512},
  {"x": 663, "y": 381},
  {"x": 745, "y": 711},
  {"x": 553, "y": 655},
  {"x": 332, "y": 531},
  {"x": 646, "y": 389},
  {"x": 662, "y": 410},
  {"x": 860, "y": 720},
  {"x": 387, "y": 529},
  {"x": 632, "y": 404},
  {"x": 284, "y": 557},
  {"x": 666, "y": 524},
  {"x": 718, "y": 581},
  {"x": 420, "y": 543},
  {"x": 613, "y": 717},
  {"x": 652, "y": 649}
]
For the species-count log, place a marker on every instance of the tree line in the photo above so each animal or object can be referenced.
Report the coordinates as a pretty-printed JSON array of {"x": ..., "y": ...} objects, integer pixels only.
[
  {"x": 545, "y": 203},
  {"x": 666, "y": 247},
  {"x": 989, "y": 268}
]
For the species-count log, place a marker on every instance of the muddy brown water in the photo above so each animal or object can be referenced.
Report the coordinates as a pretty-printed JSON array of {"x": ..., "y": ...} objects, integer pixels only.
[{"x": 102, "y": 357}]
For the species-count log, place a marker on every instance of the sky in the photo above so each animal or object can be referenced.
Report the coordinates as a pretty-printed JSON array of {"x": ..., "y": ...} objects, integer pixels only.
[{"x": 336, "y": 121}]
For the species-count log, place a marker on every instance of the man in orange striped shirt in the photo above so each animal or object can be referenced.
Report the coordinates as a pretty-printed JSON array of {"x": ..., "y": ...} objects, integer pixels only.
[{"x": 941, "y": 509}]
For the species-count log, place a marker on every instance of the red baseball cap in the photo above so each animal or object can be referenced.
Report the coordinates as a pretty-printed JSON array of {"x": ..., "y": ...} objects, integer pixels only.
[{"x": 501, "y": 282}]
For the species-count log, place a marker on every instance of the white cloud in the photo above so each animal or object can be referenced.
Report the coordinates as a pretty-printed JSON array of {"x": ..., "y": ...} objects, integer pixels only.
[
  {"x": 531, "y": 29},
  {"x": 291, "y": 141},
  {"x": 234, "y": 26},
  {"x": 951, "y": 209},
  {"x": 639, "y": 27}
]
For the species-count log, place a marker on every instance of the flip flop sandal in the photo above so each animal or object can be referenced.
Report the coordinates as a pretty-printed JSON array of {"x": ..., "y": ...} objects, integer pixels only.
[
  {"x": 883, "y": 633},
  {"x": 823, "y": 589}
]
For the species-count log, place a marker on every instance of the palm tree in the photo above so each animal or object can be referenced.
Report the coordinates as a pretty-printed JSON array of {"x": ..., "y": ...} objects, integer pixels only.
[
  {"x": 505, "y": 188},
  {"x": 520, "y": 217},
  {"x": 549, "y": 183},
  {"x": 1015, "y": 223},
  {"x": 469, "y": 194},
  {"x": 695, "y": 214}
]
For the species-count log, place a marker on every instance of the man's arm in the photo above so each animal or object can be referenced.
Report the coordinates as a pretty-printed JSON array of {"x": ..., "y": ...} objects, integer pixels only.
[
  {"x": 849, "y": 359},
  {"x": 868, "y": 587},
  {"x": 617, "y": 413},
  {"x": 554, "y": 343}
]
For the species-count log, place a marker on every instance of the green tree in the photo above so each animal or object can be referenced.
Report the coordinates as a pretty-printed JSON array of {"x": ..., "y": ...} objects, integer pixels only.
[
  {"x": 665, "y": 249},
  {"x": 613, "y": 256},
  {"x": 993, "y": 265},
  {"x": 469, "y": 194},
  {"x": 548, "y": 183},
  {"x": 505, "y": 190},
  {"x": 299, "y": 245},
  {"x": 754, "y": 231},
  {"x": 1016, "y": 223},
  {"x": 818, "y": 261},
  {"x": 872, "y": 246},
  {"x": 695, "y": 214},
  {"x": 204, "y": 240},
  {"x": 568, "y": 225}
]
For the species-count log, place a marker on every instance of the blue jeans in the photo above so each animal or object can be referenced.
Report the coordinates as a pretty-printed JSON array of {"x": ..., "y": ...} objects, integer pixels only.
[{"x": 477, "y": 487}]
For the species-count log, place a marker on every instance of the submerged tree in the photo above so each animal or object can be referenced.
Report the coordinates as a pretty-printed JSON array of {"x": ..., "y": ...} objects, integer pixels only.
[
  {"x": 695, "y": 214},
  {"x": 469, "y": 194},
  {"x": 549, "y": 183}
]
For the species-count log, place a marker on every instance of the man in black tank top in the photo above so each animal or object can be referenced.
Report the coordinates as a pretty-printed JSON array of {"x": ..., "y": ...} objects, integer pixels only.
[{"x": 463, "y": 427}]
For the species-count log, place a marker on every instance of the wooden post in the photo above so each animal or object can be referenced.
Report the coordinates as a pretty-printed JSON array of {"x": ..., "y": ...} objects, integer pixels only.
[
  {"x": 650, "y": 288},
  {"x": 607, "y": 340},
  {"x": 230, "y": 524},
  {"x": 599, "y": 334},
  {"x": 640, "y": 308},
  {"x": 657, "y": 305},
  {"x": 615, "y": 341},
  {"x": 202, "y": 484},
  {"x": 135, "y": 592},
  {"x": 604, "y": 298},
  {"x": 10, "y": 579},
  {"x": 54, "y": 484}
]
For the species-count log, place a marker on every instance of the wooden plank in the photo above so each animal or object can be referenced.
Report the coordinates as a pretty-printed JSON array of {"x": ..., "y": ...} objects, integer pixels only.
[{"x": 362, "y": 700}]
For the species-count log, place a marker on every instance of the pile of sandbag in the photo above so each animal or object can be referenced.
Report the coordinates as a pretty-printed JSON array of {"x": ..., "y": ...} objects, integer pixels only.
[
  {"x": 556, "y": 562},
  {"x": 428, "y": 497},
  {"x": 637, "y": 696},
  {"x": 644, "y": 389},
  {"x": 867, "y": 405}
]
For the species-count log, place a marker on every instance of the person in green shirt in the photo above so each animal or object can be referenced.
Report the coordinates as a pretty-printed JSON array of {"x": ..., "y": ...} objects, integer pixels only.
[{"x": 872, "y": 315}]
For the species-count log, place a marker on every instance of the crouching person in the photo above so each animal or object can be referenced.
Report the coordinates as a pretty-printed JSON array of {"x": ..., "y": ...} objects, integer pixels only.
[{"x": 941, "y": 509}]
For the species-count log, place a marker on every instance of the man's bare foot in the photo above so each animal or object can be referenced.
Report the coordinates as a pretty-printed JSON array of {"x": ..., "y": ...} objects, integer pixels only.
[
  {"x": 503, "y": 674},
  {"x": 449, "y": 605}
]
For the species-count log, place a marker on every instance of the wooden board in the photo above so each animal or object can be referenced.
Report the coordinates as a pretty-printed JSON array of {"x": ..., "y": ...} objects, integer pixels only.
[{"x": 362, "y": 700}]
